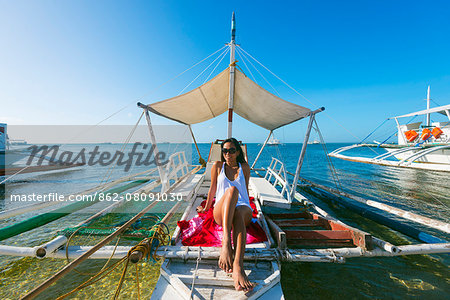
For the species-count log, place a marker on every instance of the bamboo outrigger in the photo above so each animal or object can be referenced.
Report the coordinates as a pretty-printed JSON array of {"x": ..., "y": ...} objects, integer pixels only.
[{"x": 296, "y": 228}]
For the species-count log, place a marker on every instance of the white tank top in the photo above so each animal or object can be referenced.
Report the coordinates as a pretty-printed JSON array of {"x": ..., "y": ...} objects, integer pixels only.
[{"x": 223, "y": 183}]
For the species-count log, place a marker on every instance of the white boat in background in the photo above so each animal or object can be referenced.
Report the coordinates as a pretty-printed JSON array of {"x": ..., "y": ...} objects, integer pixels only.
[
  {"x": 273, "y": 142},
  {"x": 419, "y": 146},
  {"x": 14, "y": 156},
  {"x": 315, "y": 142}
]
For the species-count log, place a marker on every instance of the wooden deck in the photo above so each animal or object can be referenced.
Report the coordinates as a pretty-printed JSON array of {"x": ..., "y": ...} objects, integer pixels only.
[
  {"x": 311, "y": 230},
  {"x": 180, "y": 279},
  {"x": 202, "y": 278}
]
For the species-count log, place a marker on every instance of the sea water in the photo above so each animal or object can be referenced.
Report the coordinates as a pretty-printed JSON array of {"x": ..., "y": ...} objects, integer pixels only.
[{"x": 417, "y": 276}]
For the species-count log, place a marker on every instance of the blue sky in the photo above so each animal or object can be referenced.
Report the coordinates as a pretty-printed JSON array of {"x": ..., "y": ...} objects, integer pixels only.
[{"x": 77, "y": 62}]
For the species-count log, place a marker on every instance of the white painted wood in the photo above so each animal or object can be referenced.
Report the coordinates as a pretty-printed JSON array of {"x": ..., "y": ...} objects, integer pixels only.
[
  {"x": 267, "y": 284},
  {"x": 263, "y": 223},
  {"x": 268, "y": 194},
  {"x": 187, "y": 186},
  {"x": 278, "y": 233},
  {"x": 213, "y": 283}
]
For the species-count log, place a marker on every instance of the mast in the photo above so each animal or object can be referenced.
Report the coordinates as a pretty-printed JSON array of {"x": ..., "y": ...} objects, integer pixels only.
[
  {"x": 232, "y": 45},
  {"x": 428, "y": 106}
]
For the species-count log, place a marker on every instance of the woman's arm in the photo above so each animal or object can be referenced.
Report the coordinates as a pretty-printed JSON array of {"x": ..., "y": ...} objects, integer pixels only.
[
  {"x": 246, "y": 171},
  {"x": 212, "y": 189}
]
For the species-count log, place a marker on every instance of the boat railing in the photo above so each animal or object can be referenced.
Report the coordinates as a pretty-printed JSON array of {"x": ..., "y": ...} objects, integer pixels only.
[
  {"x": 276, "y": 175},
  {"x": 408, "y": 160},
  {"x": 389, "y": 154},
  {"x": 177, "y": 167},
  {"x": 339, "y": 150}
]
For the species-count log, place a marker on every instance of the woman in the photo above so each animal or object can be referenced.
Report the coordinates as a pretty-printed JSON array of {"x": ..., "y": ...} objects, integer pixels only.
[{"x": 229, "y": 184}]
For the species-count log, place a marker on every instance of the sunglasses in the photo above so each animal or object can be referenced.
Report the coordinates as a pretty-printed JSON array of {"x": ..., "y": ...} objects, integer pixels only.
[{"x": 231, "y": 150}]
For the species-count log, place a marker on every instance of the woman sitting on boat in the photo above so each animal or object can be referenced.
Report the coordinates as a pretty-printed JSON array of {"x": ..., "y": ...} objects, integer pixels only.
[{"x": 229, "y": 184}]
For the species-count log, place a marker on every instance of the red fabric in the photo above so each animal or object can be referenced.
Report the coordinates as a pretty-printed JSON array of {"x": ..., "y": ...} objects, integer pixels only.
[{"x": 203, "y": 231}]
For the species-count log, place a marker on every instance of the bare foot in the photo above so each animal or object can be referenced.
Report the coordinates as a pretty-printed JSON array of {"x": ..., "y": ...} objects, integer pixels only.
[
  {"x": 241, "y": 282},
  {"x": 226, "y": 259}
]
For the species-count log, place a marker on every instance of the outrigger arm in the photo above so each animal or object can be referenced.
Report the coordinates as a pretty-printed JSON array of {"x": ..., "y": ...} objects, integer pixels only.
[
  {"x": 162, "y": 172},
  {"x": 312, "y": 116}
]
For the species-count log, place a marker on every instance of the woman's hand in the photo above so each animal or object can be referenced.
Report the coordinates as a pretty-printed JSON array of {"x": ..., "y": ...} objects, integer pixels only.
[{"x": 201, "y": 209}]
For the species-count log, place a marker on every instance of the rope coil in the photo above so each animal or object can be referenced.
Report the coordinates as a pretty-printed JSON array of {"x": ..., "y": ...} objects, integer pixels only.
[{"x": 161, "y": 236}]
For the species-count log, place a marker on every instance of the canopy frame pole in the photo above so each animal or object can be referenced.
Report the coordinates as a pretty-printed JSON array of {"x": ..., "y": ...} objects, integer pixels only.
[
  {"x": 400, "y": 133},
  {"x": 303, "y": 151},
  {"x": 428, "y": 105},
  {"x": 200, "y": 159},
  {"x": 161, "y": 171},
  {"x": 232, "y": 45},
  {"x": 261, "y": 150}
]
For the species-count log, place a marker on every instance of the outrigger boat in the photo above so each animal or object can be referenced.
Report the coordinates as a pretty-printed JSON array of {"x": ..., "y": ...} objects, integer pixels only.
[
  {"x": 14, "y": 156},
  {"x": 419, "y": 146},
  {"x": 296, "y": 229}
]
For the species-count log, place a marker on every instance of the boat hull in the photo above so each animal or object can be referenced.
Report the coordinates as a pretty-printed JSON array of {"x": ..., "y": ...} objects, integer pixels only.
[{"x": 438, "y": 157}]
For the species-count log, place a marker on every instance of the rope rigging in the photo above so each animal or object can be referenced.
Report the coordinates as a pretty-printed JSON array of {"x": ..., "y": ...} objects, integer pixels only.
[
  {"x": 333, "y": 171},
  {"x": 126, "y": 106},
  {"x": 226, "y": 50},
  {"x": 148, "y": 247},
  {"x": 242, "y": 53},
  {"x": 239, "y": 49},
  {"x": 297, "y": 92}
]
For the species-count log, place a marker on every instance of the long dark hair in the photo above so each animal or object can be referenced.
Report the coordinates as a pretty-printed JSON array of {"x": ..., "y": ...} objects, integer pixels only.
[{"x": 240, "y": 158}]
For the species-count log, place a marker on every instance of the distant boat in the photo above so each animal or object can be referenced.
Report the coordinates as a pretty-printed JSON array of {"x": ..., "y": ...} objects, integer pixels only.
[
  {"x": 13, "y": 157},
  {"x": 17, "y": 142},
  {"x": 273, "y": 142},
  {"x": 313, "y": 142},
  {"x": 9, "y": 150}
]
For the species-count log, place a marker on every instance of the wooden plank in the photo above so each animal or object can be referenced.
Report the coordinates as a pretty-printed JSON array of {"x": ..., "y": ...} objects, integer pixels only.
[
  {"x": 303, "y": 223},
  {"x": 187, "y": 187},
  {"x": 360, "y": 238},
  {"x": 304, "y": 215},
  {"x": 211, "y": 281},
  {"x": 319, "y": 234},
  {"x": 263, "y": 222},
  {"x": 268, "y": 283},
  {"x": 320, "y": 243},
  {"x": 278, "y": 233},
  {"x": 176, "y": 283},
  {"x": 268, "y": 194}
]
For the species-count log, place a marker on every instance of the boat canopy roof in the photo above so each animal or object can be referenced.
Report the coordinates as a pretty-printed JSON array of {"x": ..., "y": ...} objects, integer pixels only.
[
  {"x": 210, "y": 100},
  {"x": 444, "y": 110}
]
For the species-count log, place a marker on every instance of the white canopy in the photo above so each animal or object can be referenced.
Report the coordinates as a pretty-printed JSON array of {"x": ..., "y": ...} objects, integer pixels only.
[
  {"x": 251, "y": 102},
  {"x": 444, "y": 110}
]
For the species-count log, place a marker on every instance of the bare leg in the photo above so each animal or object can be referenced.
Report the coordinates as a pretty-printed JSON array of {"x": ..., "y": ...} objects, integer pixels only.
[
  {"x": 242, "y": 218},
  {"x": 223, "y": 215}
]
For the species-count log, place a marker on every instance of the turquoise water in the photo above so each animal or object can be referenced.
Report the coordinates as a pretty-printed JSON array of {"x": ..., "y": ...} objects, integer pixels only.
[{"x": 422, "y": 192}]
